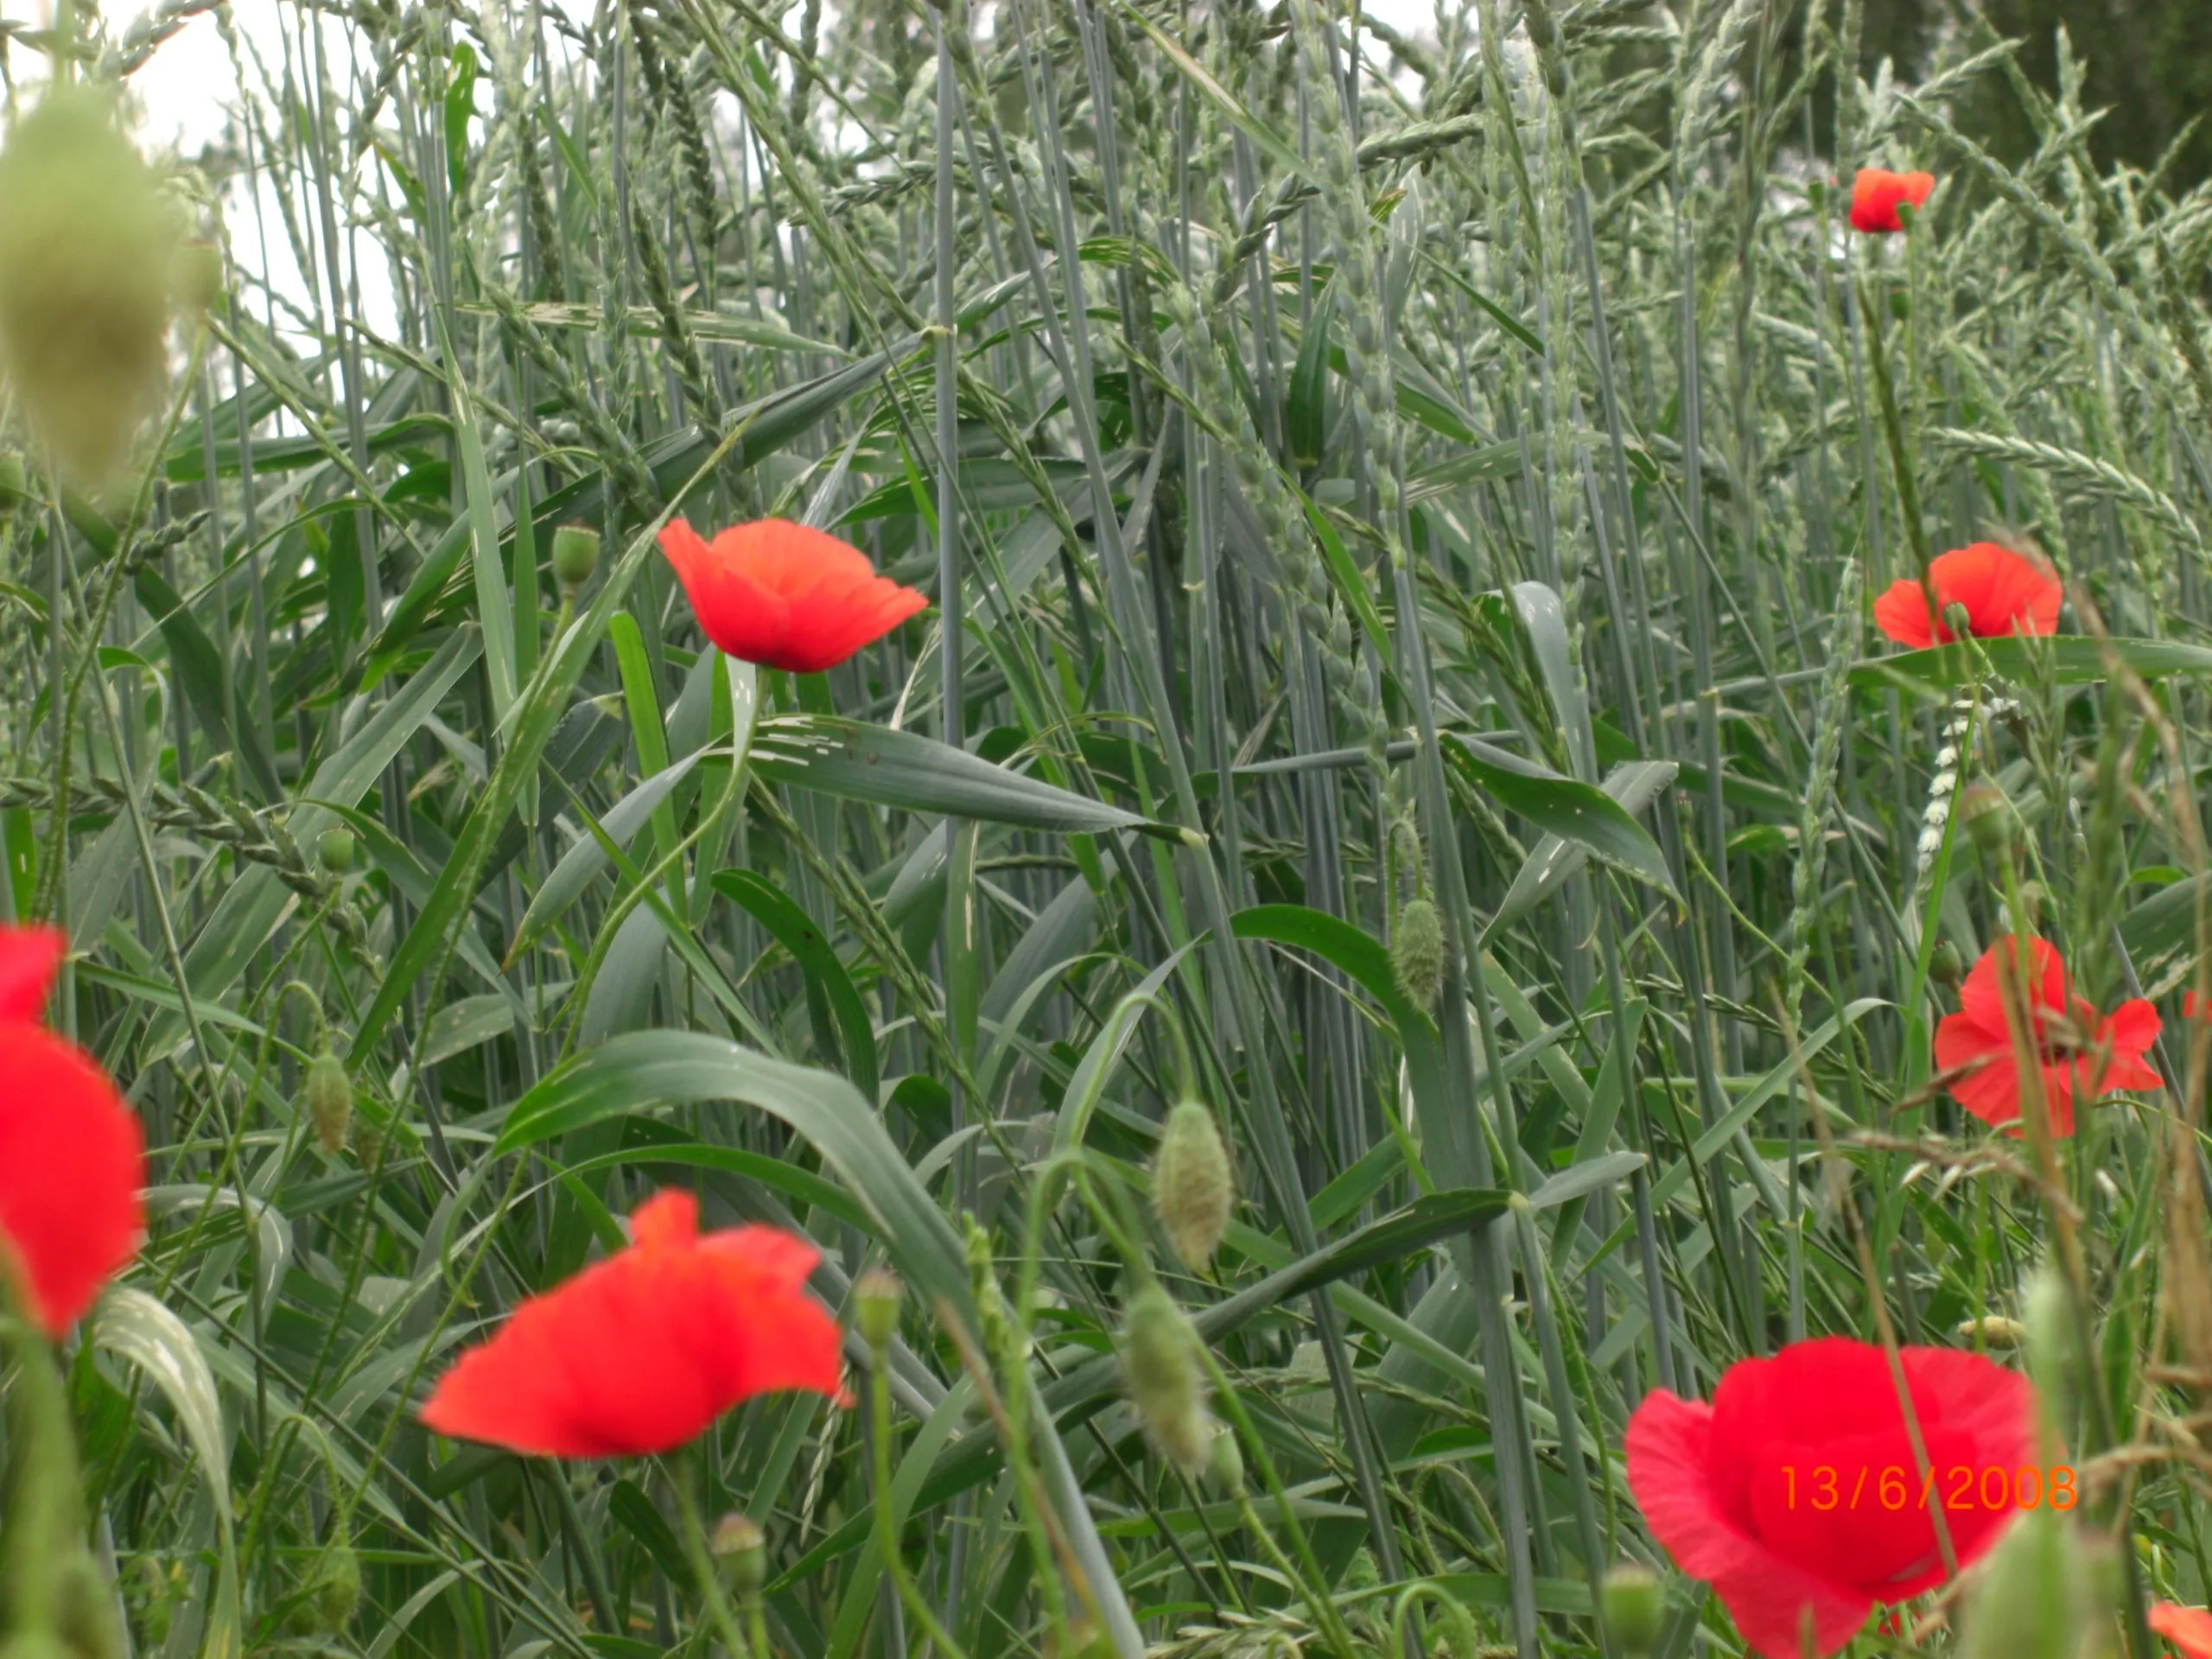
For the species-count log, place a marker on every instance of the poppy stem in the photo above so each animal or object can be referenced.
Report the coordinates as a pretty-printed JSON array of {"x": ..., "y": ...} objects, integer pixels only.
[
  {"x": 887, "y": 1530},
  {"x": 45, "y": 1499},
  {"x": 681, "y": 1471}
]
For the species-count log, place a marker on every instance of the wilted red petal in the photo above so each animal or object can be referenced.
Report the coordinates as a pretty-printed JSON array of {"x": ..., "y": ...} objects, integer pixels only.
[
  {"x": 784, "y": 596},
  {"x": 2003, "y": 593},
  {"x": 1877, "y": 194},
  {"x": 72, "y": 1166},
  {"x": 29, "y": 959},
  {"x": 2189, "y": 1629},
  {"x": 640, "y": 1352},
  {"x": 1731, "y": 1490}
]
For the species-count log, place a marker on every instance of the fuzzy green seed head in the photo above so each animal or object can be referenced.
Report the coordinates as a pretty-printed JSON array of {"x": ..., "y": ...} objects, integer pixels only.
[
  {"x": 86, "y": 266},
  {"x": 1632, "y": 1605},
  {"x": 1193, "y": 1187},
  {"x": 329, "y": 1101},
  {"x": 1225, "y": 1464},
  {"x": 1417, "y": 954},
  {"x": 575, "y": 555},
  {"x": 1159, "y": 1358}
]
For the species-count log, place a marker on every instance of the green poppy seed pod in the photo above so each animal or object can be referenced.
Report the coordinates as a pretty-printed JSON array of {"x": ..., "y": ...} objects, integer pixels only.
[
  {"x": 1417, "y": 954},
  {"x": 1193, "y": 1189},
  {"x": 333, "y": 1591},
  {"x": 86, "y": 265},
  {"x": 330, "y": 1101},
  {"x": 1633, "y": 1605},
  {"x": 14, "y": 482},
  {"x": 575, "y": 555},
  {"x": 1946, "y": 967},
  {"x": 876, "y": 1296},
  {"x": 334, "y": 849},
  {"x": 2033, "y": 1600},
  {"x": 1159, "y": 1358},
  {"x": 1987, "y": 817},
  {"x": 1225, "y": 1461},
  {"x": 740, "y": 1552}
]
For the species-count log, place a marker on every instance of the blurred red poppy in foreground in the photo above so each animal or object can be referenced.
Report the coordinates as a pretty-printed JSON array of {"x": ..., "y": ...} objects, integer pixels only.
[
  {"x": 1877, "y": 194},
  {"x": 2189, "y": 1629},
  {"x": 785, "y": 597},
  {"x": 1796, "y": 1494},
  {"x": 71, "y": 1155},
  {"x": 2003, "y": 592},
  {"x": 639, "y": 1353},
  {"x": 2079, "y": 1054}
]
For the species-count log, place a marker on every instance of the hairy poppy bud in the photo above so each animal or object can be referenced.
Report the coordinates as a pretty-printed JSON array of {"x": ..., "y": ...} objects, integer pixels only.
[
  {"x": 1993, "y": 1330},
  {"x": 2049, "y": 1307},
  {"x": 1159, "y": 1356},
  {"x": 333, "y": 1592},
  {"x": 575, "y": 555},
  {"x": 198, "y": 276},
  {"x": 1417, "y": 954},
  {"x": 1946, "y": 967},
  {"x": 1225, "y": 1461},
  {"x": 85, "y": 269},
  {"x": 1987, "y": 815},
  {"x": 876, "y": 1296},
  {"x": 1193, "y": 1187},
  {"x": 1633, "y": 1605},
  {"x": 2035, "y": 1595},
  {"x": 2036, "y": 904},
  {"x": 329, "y": 1100},
  {"x": 334, "y": 850},
  {"x": 14, "y": 482},
  {"x": 742, "y": 1553},
  {"x": 83, "y": 1609}
]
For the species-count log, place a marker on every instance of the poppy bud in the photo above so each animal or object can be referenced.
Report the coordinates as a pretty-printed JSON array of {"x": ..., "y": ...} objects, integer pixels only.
[
  {"x": 85, "y": 278},
  {"x": 2035, "y": 1595},
  {"x": 1987, "y": 817},
  {"x": 1417, "y": 954},
  {"x": 2036, "y": 904},
  {"x": 333, "y": 1589},
  {"x": 1193, "y": 1187},
  {"x": 2049, "y": 1323},
  {"x": 334, "y": 850},
  {"x": 876, "y": 1296},
  {"x": 575, "y": 555},
  {"x": 1993, "y": 1330},
  {"x": 1084, "y": 1640},
  {"x": 83, "y": 1609},
  {"x": 14, "y": 482},
  {"x": 329, "y": 1100},
  {"x": 1225, "y": 1461},
  {"x": 742, "y": 1553},
  {"x": 1159, "y": 1356},
  {"x": 199, "y": 277},
  {"x": 1958, "y": 620},
  {"x": 1946, "y": 967},
  {"x": 1632, "y": 1605}
]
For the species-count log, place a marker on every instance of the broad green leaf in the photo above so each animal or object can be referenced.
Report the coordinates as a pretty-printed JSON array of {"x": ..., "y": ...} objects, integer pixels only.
[
  {"x": 1591, "y": 818},
  {"x": 2070, "y": 659}
]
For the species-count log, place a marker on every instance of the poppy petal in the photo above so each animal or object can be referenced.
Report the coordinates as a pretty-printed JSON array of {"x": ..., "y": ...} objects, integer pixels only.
[
  {"x": 1901, "y": 611},
  {"x": 2003, "y": 592},
  {"x": 1670, "y": 1470},
  {"x": 640, "y": 1352},
  {"x": 29, "y": 957},
  {"x": 785, "y": 595},
  {"x": 72, "y": 1167},
  {"x": 2189, "y": 1629}
]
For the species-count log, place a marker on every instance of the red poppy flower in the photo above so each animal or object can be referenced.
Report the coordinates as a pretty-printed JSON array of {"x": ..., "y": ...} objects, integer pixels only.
[
  {"x": 785, "y": 596},
  {"x": 640, "y": 1352},
  {"x": 2003, "y": 592},
  {"x": 2189, "y": 1629},
  {"x": 29, "y": 957},
  {"x": 1877, "y": 194},
  {"x": 2069, "y": 1039},
  {"x": 72, "y": 1155},
  {"x": 1796, "y": 1494}
]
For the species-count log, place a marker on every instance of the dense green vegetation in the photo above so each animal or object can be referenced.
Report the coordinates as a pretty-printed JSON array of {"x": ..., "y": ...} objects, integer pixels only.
[{"x": 1400, "y": 515}]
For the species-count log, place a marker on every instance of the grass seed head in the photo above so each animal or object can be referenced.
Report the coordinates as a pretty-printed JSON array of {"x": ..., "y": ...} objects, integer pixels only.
[
  {"x": 1159, "y": 1358},
  {"x": 1193, "y": 1186}
]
